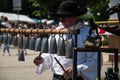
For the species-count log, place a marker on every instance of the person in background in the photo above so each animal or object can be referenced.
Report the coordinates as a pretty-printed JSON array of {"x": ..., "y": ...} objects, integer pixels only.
[
  {"x": 5, "y": 40},
  {"x": 0, "y": 20},
  {"x": 49, "y": 23},
  {"x": 5, "y": 22},
  {"x": 0, "y": 33},
  {"x": 68, "y": 12}
]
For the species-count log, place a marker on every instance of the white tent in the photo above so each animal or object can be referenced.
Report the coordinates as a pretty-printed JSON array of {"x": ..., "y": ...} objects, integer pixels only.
[
  {"x": 12, "y": 17},
  {"x": 49, "y": 22}
]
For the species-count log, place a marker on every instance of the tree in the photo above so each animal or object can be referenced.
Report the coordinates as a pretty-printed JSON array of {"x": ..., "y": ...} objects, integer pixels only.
[
  {"x": 98, "y": 10},
  {"x": 39, "y": 8},
  {"x": 43, "y": 6},
  {"x": 94, "y": 5}
]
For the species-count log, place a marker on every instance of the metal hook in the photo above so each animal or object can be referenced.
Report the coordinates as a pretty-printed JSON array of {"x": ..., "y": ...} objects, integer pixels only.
[{"x": 61, "y": 35}]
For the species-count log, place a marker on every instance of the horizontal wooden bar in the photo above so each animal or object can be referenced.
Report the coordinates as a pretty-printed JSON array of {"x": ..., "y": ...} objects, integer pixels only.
[{"x": 35, "y": 31}]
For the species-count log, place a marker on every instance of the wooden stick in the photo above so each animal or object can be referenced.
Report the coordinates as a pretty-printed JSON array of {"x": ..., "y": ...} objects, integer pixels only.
[
  {"x": 42, "y": 31},
  {"x": 40, "y": 54},
  {"x": 59, "y": 64}
]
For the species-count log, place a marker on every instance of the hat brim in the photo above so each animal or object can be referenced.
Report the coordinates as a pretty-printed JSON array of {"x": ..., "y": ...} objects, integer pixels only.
[{"x": 63, "y": 14}]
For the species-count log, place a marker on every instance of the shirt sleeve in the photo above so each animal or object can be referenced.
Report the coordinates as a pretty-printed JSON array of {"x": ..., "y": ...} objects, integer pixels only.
[
  {"x": 88, "y": 68},
  {"x": 46, "y": 64},
  {"x": 87, "y": 61}
]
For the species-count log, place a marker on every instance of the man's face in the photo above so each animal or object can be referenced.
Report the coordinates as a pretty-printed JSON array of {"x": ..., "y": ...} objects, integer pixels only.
[{"x": 68, "y": 22}]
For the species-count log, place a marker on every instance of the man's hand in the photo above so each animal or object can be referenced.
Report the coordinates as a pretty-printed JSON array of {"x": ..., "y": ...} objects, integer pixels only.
[
  {"x": 38, "y": 60},
  {"x": 68, "y": 73}
]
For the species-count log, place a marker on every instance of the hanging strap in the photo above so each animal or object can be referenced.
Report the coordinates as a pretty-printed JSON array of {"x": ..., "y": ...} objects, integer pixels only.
[{"x": 90, "y": 31}]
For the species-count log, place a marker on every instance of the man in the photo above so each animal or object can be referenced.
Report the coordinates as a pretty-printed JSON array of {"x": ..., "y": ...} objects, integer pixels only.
[{"x": 68, "y": 13}]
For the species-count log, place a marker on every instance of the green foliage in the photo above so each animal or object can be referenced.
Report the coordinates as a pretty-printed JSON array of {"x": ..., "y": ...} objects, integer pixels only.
[
  {"x": 36, "y": 13},
  {"x": 42, "y": 6},
  {"x": 85, "y": 17},
  {"x": 101, "y": 8},
  {"x": 39, "y": 8}
]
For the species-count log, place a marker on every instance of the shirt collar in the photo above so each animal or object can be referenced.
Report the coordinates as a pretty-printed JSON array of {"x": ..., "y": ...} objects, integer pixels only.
[{"x": 76, "y": 27}]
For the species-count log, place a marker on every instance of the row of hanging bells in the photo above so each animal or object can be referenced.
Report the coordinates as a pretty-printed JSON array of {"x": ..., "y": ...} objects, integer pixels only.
[{"x": 62, "y": 47}]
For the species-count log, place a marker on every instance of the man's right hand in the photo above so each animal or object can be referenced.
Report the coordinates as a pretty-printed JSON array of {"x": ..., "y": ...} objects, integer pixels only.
[{"x": 38, "y": 60}]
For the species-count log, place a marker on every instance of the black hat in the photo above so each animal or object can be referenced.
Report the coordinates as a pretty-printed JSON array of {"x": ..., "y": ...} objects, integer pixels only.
[{"x": 68, "y": 9}]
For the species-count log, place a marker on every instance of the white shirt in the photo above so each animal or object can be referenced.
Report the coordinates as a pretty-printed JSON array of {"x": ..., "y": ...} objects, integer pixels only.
[
  {"x": 6, "y": 24},
  {"x": 86, "y": 61}
]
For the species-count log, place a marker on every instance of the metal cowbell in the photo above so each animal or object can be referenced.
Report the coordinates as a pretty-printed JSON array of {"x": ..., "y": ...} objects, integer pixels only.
[
  {"x": 53, "y": 45},
  {"x": 69, "y": 47},
  {"x": 32, "y": 43},
  {"x": 14, "y": 40},
  {"x": 61, "y": 46},
  {"x": 38, "y": 44},
  {"x": 10, "y": 39},
  {"x": 26, "y": 42},
  {"x": 19, "y": 42},
  {"x": 44, "y": 45},
  {"x": 1, "y": 38},
  {"x": 21, "y": 56}
]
